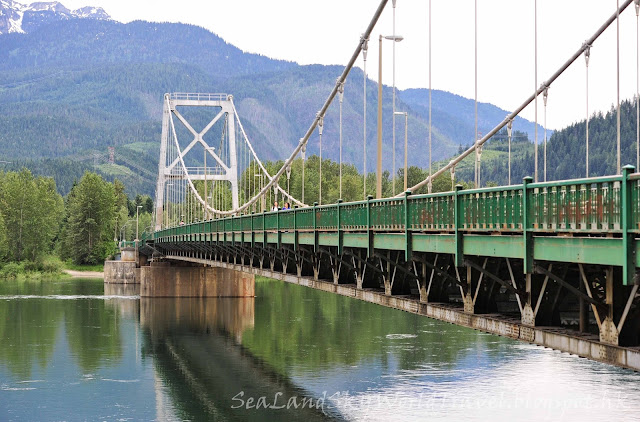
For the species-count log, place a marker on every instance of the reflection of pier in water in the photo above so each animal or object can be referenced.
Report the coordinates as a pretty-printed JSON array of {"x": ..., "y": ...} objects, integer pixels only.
[
  {"x": 126, "y": 306},
  {"x": 196, "y": 347}
]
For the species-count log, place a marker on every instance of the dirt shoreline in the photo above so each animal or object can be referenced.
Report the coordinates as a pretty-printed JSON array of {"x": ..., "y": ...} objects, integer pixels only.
[{"x": 84, "y": 274}]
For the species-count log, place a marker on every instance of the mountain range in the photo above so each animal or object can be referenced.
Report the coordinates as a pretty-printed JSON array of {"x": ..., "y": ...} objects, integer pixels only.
[
  {"x": 77, "y": 82},
  {"x": 19, "y": 18}
]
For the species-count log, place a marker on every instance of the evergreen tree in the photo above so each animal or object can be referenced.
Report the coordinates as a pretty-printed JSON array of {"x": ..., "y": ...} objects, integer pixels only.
[
  {"x": 91, "y": 208},
  {"x": 32, "y": 210},
  {"x": 3, "y": 238}
]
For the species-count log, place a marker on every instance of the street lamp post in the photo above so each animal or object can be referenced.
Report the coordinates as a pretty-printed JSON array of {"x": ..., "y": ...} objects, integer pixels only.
[
  {"x": 123, "y": 230},
  {"x": 137, "y": 221},
  {"x": 262, "y": 198},
  {"x": 393, "y": 108},
  {"x": 365, "y": 48},
  {"x": 395, "y": 38},
  {"x": 406, "y": 125}
]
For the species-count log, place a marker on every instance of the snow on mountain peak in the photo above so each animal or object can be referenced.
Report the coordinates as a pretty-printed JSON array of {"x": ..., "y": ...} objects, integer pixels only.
[{"x": 12, "y": 14}]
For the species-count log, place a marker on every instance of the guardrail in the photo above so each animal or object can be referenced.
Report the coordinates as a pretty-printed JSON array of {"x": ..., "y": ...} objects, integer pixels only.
[
  {"x": 574, "y": 206},
  {"x": 601, "y": 206},
  {"x": 187, "y": 96}
]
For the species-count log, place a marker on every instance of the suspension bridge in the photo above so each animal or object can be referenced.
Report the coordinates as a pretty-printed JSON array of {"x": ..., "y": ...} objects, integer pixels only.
[{"x": 549, "y": 262}]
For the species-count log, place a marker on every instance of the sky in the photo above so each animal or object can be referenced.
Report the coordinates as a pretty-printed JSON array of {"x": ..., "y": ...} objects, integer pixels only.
[{"x": 327, "y": 32}]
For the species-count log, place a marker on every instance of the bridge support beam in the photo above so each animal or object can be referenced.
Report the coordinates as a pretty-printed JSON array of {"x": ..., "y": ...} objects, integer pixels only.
[
  {"x": 608, "y": 331},
  {"x": 467, "y": 296},
  {"x": 161, "y": 279},
  {"x": 528, "y": 316}
]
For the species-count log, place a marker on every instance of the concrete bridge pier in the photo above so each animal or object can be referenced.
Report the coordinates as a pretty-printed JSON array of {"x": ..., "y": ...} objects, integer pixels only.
[
  {"x": 122, "y": 271},
  {"x": 168, "y": 279}
]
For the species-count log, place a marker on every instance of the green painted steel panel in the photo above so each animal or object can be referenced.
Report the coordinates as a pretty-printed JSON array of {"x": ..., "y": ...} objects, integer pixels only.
[
  {"x": 436, "y": 243},
  {"x": 287, "y": 238},
  {"x": 356, "y": 240},
  {"x": 394, "y": 241},
  {"x": 272, "y": 238},
  {"x": 328, "y": 239},
  {"x": 583, "y": 250},
  {"x": 306, "y": 238},
  {"x": 499, "y": 246}
]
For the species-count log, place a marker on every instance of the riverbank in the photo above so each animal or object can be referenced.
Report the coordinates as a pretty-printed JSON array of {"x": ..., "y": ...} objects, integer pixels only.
[
  {"x": 84, "y": 274},
  {"x": 48, "y": 268}
]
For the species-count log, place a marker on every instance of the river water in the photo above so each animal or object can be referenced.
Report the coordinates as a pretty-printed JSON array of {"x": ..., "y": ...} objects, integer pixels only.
[{"x": 79, "y": 350}]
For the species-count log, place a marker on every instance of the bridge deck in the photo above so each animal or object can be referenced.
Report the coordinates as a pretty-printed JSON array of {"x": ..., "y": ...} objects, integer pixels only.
[{"x": 587, "y": 221}]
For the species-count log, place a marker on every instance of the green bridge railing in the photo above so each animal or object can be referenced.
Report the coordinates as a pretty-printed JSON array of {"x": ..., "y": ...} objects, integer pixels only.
[
  {"x": 591, "y": 205},
  {"x": 604, "y": 206}
]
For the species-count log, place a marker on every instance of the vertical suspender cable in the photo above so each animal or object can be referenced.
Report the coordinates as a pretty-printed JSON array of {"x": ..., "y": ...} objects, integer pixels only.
[
  {"x": 618, "y": 82},
  {"x": 475, "y": 134},
  {"x": 320, "y": 127},
  {"x": 340, "y": 98},
  {"x": 430, "y": 187},
  {"x": 587, "y": 54},
  {"x": 365, "y": 47},
  {"x": 303, "y": 152},
  {"x": 544, "y": 98},
  {"x": 509, "y": 133},
  {"x": 379, "y": 125},
  {"x": 637, "y": 3},
  {"x": 535, "y": 141}
]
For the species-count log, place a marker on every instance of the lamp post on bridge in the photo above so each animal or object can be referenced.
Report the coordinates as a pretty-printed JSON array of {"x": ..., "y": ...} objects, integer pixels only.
[
  {"x": 137, "y": 221},
  {"x": 262, "y": 198},
  {"x": 123, "y": 230},
  {"x": 406, "y": 125},
  {"x": 395, "y": 38}
]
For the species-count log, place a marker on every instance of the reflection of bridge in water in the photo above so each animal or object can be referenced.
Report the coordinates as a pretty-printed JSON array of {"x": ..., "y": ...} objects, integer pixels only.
[{"x": 196, "y": 348}]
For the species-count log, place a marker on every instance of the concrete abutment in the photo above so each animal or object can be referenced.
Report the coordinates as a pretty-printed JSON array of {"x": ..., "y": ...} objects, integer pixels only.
[
  {"x": 161, "y": 279},
  {"x": 120, "y": 272}
]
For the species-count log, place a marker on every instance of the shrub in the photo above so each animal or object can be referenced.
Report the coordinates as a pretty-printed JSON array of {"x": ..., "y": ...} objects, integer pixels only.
[
  {"x": 12, "y": 270},
  {"x": 51, "y": 264},
  {"x": 31, "y": 266}
]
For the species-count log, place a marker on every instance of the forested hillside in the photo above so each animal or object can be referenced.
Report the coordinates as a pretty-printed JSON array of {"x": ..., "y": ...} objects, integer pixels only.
[{"x": 71, "y": 89}]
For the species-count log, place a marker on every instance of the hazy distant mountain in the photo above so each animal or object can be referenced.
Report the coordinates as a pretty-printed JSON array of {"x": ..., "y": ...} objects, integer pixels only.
[{"x": 455, "y": 115}]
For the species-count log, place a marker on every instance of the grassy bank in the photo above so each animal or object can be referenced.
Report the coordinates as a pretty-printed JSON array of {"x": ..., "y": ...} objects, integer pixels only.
[{"x": 68, "y": 265}]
